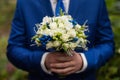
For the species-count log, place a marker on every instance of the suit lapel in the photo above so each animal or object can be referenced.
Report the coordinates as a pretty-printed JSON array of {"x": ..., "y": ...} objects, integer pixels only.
[
  {"x": 47, "y": 7},
  {"x": 76, "y": 9},
  {"x": 72, "y": 7}
]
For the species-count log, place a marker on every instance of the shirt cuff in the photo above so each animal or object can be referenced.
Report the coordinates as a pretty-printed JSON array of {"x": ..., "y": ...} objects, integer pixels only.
[
  {"x": 43, "y": 63},
  {"x": 85, "y": 63}
]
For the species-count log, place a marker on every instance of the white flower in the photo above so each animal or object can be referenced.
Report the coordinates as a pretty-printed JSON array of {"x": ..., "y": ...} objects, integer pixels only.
[
  {"x": 77, "y": 27},
  {"x": 66, "y": 45},
  {"x": 56, "y": 43},
  {"x": 49, "y": 45},
  {"x": 46, "y": 20},
  {"x": 71, "y": 33},
  {"x": 59, "y": 30},
  {"x": 61, "y": 25},
  {"x": 53, "y": 25},
  {"x": 65, "y": 37},
  {"x": 69, "y": 17},
  {"x": 48, "y": 32},
  {"x": 68, "y": 26}
]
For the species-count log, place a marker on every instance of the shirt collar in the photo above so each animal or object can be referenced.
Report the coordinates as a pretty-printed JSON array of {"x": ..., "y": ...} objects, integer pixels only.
[{"x": 54, "y": 1}]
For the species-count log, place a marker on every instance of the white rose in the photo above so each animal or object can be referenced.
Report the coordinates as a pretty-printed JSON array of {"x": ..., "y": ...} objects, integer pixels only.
[
  {"x": 61, "y": 25},
  {"x": 48, "y": 32},
  {"x": 56, "y": 43},
  {"x": 59, "y": 20},
  {"x": 53, "y": 25},
  {"x": 69, "y": 17},
  {"x": 68, "y": 25},
  {"x": 49, "y": 45},
  {"x": 46, "y": 20},
  {"x": 65, "y": 37},
  {"x": 64, "y": 18},
  {"x": 72, "y": 33},
  {"x": 58, "y": 30}
]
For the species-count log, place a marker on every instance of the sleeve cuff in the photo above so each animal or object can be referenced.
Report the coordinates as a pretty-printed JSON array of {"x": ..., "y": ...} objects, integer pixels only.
[
  {"x": 43, "y": 65},
  {"x": 85, "y": 63}
]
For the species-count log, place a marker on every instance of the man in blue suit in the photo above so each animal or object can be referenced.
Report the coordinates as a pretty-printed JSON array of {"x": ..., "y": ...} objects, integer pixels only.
[{"x": 42, "y": 64}]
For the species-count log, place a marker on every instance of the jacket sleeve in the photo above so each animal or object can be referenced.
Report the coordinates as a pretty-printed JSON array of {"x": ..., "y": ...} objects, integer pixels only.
[
  {"x": 17, "y": 52},
  {"x": 104, "y": 45}
]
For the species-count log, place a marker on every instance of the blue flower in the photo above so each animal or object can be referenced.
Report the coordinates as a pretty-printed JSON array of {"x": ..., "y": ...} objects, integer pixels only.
[
  {"x": 73, "y": 22},
  {"x": 45, "y": 39},
  {"x": 75, "y": 39}
]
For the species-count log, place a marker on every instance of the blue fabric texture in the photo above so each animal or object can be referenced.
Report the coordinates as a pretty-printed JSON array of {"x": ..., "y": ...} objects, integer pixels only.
[{"x": 30, "y": 12}]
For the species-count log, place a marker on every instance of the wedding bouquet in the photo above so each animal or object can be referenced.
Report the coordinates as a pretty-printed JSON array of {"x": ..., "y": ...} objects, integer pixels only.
[{"x": 60, "y": 33}]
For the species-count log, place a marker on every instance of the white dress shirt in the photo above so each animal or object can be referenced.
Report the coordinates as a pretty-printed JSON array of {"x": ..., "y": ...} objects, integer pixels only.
[
  {"x": 65, "y": 2},
  {"x": 66, "y": 5}
]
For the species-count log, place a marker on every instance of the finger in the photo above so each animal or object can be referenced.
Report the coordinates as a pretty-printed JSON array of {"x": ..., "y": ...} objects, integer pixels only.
[
  {"x": 60, "y": 56},
  {"x": 70, "y": 72},
  {"x": 62, "y": 71},
  {"x": 73, "y": 52},
  {"x": 62, "y": 65},
  {"x": 64, "y": 58},
  {"x": 58, "y": 53}
]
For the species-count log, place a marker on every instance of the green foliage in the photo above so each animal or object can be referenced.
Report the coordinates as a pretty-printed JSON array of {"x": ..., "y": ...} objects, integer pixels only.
[
  {"x": 4, "y": 74},
  {"x": 110, "y": 71},
  {"x": 6, "y": 13}
]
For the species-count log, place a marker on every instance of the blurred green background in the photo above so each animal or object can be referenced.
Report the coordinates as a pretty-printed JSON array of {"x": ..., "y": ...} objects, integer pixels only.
[{"x": 111, "y": 71}]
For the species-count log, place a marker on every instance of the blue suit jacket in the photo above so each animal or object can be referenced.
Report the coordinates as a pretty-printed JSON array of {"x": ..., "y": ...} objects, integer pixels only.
[{"x": 30, "y": 12}]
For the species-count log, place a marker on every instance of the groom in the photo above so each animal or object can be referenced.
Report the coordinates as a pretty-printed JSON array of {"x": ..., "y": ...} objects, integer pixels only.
[{"x": 44, "y": 65}]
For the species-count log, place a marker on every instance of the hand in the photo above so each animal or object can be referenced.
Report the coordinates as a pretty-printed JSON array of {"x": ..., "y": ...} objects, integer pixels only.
[
  {"x": 63, "y": 64},
  {"x": 55, "y": 57}
]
